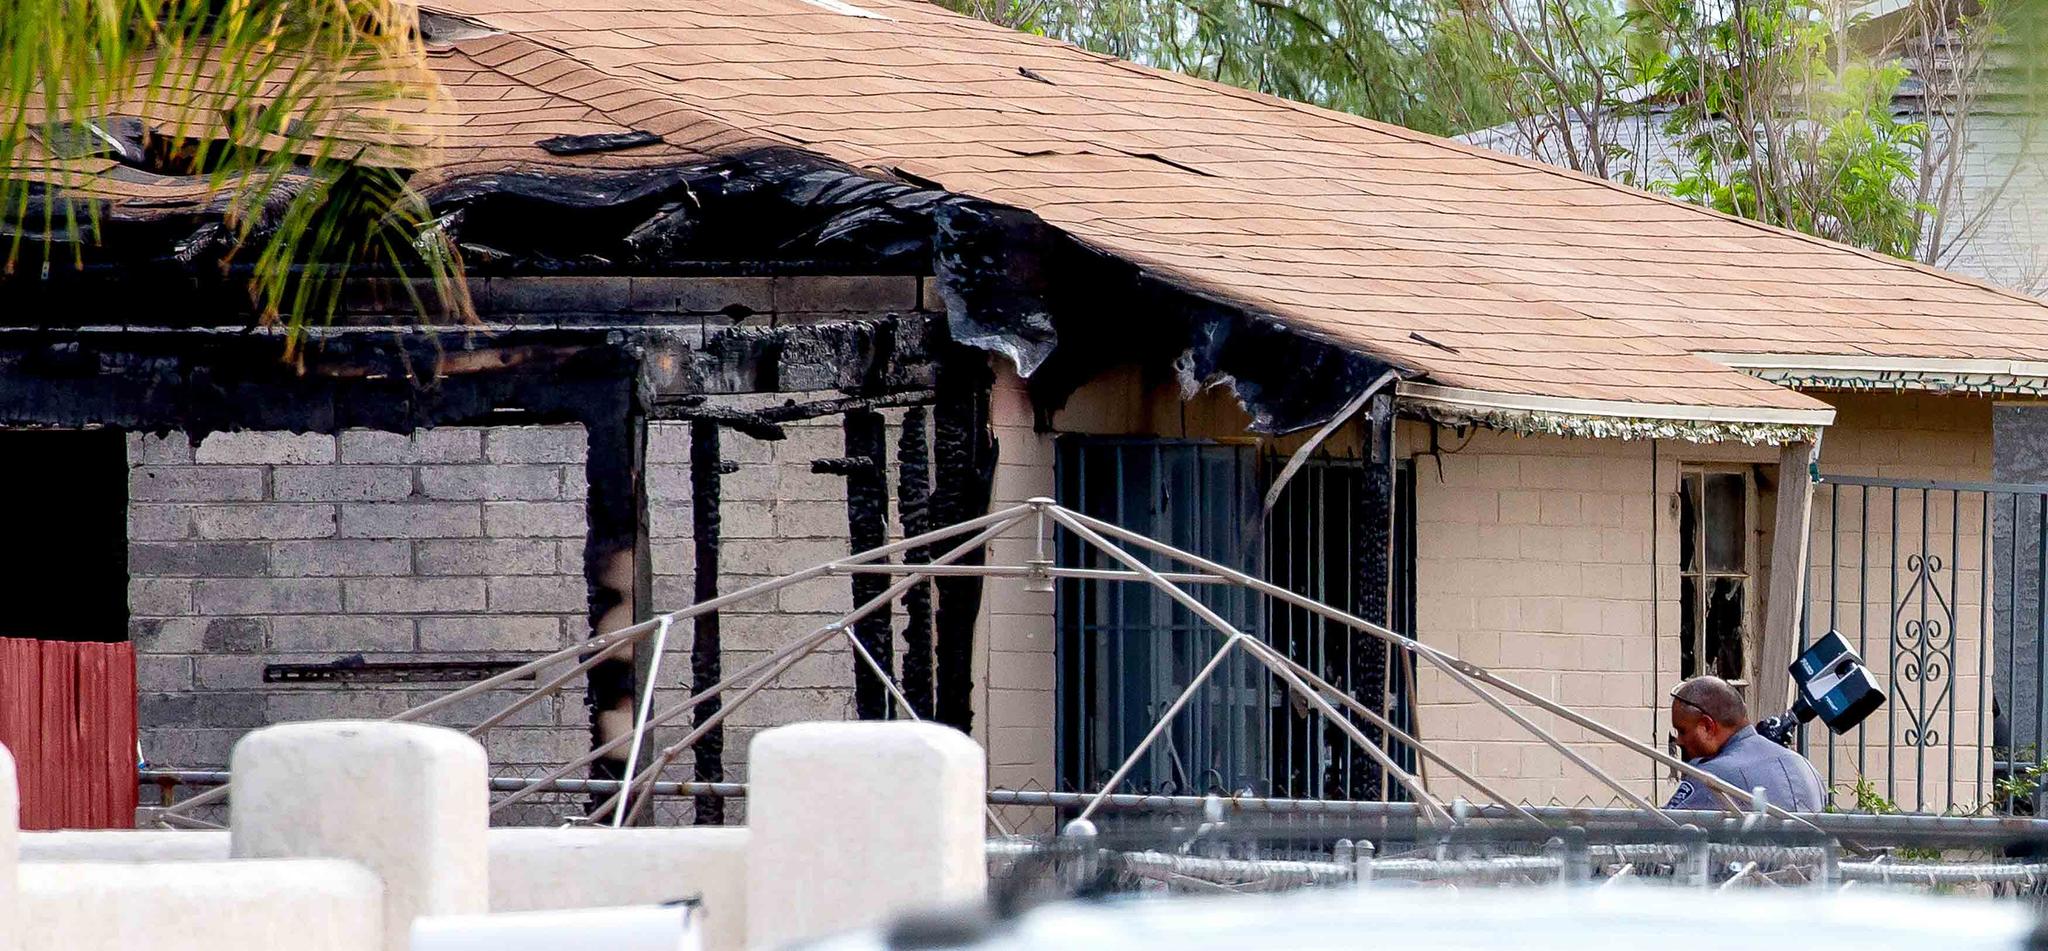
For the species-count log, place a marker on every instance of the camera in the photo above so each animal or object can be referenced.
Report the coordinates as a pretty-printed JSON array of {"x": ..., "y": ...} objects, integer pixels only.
[{"x": 1831, "y": 683}]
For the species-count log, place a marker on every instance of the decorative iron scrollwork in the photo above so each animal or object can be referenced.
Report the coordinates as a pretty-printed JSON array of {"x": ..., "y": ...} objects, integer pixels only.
[{"x": 1923, "y": 651}]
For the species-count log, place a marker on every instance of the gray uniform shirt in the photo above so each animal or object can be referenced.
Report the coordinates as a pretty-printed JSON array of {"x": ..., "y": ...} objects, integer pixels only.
[{"x": 1746, "y": 762}]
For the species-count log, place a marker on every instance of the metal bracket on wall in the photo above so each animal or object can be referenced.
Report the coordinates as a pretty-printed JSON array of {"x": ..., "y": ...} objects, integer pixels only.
[{"x": 357, "y": 670}]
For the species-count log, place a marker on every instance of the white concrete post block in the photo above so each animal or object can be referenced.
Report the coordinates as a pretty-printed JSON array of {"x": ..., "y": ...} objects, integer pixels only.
[
  {"x": 125, "y": 845},
  {"x": 300, "y": 905},
  {"x": 854, "y": 823},
  {"x": 409, "y": 802},
  {"x": 10, "y": 826},
  {"x": 548, "y": 869}
]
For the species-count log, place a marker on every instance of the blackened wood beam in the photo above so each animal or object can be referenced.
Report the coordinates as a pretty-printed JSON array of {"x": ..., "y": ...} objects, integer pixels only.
[
  {"x": 913, "y": 498},
  {"x": 1375, "y": 539},
  {"x": 865, "y": 467},
  {"x": 964, "y": 462},
  {"x": 706, "y": 468},
  {"x": 768, "y": 418},
  {"x": 869, "y": 356},
  {"x": 616, "y": 519}
]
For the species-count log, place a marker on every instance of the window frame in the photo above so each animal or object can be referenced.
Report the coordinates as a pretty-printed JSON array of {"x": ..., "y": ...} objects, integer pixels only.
[{"x": 1703, "y": 576}]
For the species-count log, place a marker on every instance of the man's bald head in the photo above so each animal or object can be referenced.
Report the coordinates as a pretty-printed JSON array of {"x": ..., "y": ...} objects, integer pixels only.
[
  {"x": 1716, "y": 698},
  {"x": 1705, "y": 712}
]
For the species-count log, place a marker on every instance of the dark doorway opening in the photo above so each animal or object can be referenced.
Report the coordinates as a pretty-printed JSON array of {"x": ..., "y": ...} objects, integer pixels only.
[{"x": 64, "y": 512}]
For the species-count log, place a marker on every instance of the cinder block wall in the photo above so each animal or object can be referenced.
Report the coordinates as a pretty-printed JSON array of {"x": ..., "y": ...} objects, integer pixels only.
[
  {"x": 1534, "y": 560},
  {"x": 253, "y": 549},
  {"x": 776, "y": 517},
  {"x": 454, "y": 544},
  {"x": 467, "y": 544}
]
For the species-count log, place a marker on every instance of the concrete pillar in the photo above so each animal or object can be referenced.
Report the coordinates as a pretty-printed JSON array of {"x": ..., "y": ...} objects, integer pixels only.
[
  {"x": 10, "y": 830},
  {"x": 407, "y": 801},
  {"x": 854, "y": 823}
]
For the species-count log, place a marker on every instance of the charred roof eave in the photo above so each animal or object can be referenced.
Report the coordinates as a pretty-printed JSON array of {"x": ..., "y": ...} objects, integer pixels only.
[{"x": 1058, "y": 310}]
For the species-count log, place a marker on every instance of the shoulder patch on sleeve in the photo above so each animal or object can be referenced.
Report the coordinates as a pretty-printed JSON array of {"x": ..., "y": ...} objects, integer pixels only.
[{"x": 1684, "y": 792}]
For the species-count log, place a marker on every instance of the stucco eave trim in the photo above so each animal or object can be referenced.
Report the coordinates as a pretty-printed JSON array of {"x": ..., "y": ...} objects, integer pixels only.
[
  {"x": 1613, "y": 419},
  {"x": 1976, "y": 377}
]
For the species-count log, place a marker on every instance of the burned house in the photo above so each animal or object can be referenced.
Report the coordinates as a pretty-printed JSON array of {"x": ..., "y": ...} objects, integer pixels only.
[{"x": 760, "y": 282}]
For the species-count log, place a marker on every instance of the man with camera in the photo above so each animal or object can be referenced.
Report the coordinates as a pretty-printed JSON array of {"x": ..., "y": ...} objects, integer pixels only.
[{"x": 1711, "y": 724}]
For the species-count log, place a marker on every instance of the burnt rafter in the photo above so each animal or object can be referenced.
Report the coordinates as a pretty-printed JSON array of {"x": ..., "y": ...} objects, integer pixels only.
[
  {"x": 204, "y": 382},
  {"x": 764, "y": 423}
]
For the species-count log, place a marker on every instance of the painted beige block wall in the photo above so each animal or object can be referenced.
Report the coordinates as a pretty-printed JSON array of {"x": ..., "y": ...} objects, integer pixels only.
[
  {"x": 1014, "y": 670},
  {"x": 1533, "y": 559}
]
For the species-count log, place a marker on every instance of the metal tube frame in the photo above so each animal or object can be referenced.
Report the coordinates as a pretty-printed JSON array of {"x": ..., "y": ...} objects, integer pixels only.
[
  {"x": 782, "y": 659},
  {"x": 1458, "y": 669},
  {"x": 1087, "y": 534},
  {"x": 1092, "y": 531}
]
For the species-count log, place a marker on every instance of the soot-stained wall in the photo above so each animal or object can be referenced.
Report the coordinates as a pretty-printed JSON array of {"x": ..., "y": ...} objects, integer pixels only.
[
  {"x": 461, "y": 543},
  {"x": 255, "y": 549}
]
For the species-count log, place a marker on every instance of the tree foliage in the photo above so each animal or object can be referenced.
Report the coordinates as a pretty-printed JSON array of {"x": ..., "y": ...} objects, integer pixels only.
[
  {"x": 1774, "y": 121},
  {"x": 301, "y": 121},
  {"x": 1412, "y": 62},
  {"x": 1784, "y": 111}
]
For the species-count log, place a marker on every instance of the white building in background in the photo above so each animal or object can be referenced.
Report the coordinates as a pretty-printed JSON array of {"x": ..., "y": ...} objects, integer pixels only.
[{"x": 1984, "y": 173}]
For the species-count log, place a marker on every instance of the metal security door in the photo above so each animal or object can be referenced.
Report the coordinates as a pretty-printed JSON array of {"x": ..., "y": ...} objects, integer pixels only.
[{"x": 1125, "y": 651}]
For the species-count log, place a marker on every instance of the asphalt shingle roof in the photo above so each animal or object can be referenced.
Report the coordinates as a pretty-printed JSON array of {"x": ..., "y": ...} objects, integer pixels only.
[{"x": 1475, "y": 269}]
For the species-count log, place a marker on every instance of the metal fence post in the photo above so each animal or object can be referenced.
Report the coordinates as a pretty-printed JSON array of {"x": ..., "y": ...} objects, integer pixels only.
[{"x": 1692, "y": 869}]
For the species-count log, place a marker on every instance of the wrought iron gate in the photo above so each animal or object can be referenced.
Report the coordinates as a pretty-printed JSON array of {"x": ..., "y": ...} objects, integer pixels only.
[{"x": 1938, "y": 584}]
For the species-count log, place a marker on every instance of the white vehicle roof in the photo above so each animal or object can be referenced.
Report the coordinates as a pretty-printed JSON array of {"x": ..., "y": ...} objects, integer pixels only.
[{"x": 1447, "y": 919}]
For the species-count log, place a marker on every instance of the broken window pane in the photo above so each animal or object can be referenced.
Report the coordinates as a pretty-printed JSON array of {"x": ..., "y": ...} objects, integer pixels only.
[
  {"x": 1725, "y": 521},
  {"x": 1688, "y": 525},
  {"x": 1714, "y": 567},
  {"x": 1688, "y": 628},
  {"x": 1724, "y": 629}
]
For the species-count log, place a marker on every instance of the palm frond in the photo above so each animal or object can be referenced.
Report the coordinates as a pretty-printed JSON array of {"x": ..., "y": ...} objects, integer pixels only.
[{"x": 297, "y": 123}]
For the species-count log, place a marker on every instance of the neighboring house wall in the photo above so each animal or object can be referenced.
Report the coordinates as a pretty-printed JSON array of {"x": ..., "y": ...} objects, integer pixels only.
[{"x": 1991, "y": 187}]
